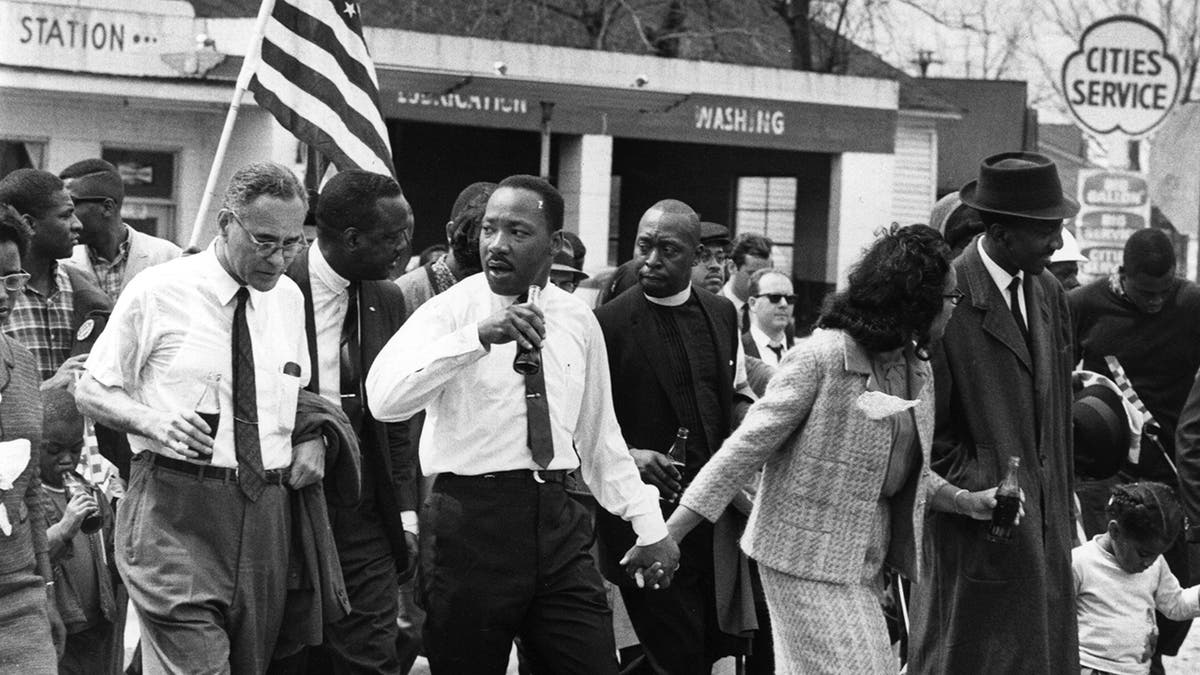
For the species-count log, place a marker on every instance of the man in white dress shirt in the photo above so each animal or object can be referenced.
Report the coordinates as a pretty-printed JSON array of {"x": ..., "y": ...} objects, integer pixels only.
[
  {"x": 505, "y": 551},
  {"x": 202, "y": 535},
  {"x": 771, "y": 302}
]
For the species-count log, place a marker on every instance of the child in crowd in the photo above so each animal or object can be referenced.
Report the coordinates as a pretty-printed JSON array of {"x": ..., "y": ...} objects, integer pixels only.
[
  {"x": 1121, "y": 578},
  {"x": 82, "y": 561}
]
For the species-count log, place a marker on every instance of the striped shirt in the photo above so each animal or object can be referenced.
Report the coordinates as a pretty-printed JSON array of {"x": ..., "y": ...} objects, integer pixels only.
[{"x": 43, "y": 323}]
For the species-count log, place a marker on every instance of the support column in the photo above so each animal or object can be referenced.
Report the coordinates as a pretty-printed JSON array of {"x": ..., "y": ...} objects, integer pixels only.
[
  {"x": 860, "y": 202},
  {"x": 585, "y": 178}
]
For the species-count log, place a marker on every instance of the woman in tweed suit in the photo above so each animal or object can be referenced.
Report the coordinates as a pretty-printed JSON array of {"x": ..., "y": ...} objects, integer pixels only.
[
  {"x": 27, "y": 609},
  {"x": 843, "y": 437}
]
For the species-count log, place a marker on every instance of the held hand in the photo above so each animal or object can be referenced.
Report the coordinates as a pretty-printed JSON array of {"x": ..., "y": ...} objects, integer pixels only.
[
  {"x": 652, "y": 565},
  {"x": 308, "y": 464},
  {"x": 657, "y": 470},
  {"x": 522, "y": 323},
  {"x": 81, "y": 506},
  {"x": 181, "y": 434},
  {"x": 64, "y": 377},
  {"x": 979, "y": 505}
]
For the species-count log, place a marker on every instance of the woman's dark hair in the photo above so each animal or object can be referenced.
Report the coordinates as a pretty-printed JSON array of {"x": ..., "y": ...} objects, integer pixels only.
[
  {"x": 1146, "y": 511},
  {"x": 895, "y": 291}
]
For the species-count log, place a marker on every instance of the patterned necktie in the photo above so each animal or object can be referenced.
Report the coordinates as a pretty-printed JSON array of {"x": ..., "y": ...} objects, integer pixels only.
[
  {"x": 1014, "y": 297},
  {"x": 537, "y": 414},
  {"x": 349, "y": 364},
  {"x": 745, "y": 318},
  {"x": 245, "y": 405}
]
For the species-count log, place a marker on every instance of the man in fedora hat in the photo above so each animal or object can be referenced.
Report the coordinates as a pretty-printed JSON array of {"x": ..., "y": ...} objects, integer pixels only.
[{"x": 1003, "y": 378}]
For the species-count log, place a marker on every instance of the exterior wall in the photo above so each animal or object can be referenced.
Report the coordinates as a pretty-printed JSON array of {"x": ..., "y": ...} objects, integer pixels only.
[
  {"x": 76, "y": 116},
  {"x": 915, "y": 188},
  {"x": 857, "y": 208}
]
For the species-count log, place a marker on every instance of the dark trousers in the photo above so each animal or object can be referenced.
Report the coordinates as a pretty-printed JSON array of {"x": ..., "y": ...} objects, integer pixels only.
[
  {"x": 677, "y": 627},
  {"x": 364, "y": 641},
  {"x": 206, "y": 569},
  {"x": 503, "y": 557}
]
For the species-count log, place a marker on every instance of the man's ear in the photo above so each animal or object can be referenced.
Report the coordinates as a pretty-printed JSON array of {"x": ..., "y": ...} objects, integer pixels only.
[
  {"x": 556, "y": 243},
  {"x": 223, "y": 217},
  {"x": 30, "y": 222},
  {"x": 111, "y": 208},
  {"x": 449, "y": 232},
  {"x": 351, "y": 238}
]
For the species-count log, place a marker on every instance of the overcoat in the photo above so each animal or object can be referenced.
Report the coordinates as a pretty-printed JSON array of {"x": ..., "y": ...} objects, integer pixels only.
[{"x": 984, "y": 607}]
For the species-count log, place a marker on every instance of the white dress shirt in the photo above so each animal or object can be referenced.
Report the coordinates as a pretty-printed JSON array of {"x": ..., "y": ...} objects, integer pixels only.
[
  {"x": 172, "y": 327},
  {"x": 727, "y": 292},
  {"x": 475, "y": 402},
  {"x": 764, "y": 345},
  {"x": 330, "y": 297},
  {"x": 1003, "y": 279}
]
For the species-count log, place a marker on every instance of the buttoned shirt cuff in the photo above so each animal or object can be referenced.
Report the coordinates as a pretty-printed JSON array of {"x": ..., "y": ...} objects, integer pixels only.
[
  {"x": 650, "y": 528},
  {"x": 408, "y": 519}
]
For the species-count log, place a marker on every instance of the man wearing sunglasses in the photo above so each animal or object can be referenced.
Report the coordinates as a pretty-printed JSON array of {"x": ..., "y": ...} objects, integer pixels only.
[
  {"x": 204, "y": 531},
  {"x": 110, "y": 252},
  {"x": 49, "y": 315}
]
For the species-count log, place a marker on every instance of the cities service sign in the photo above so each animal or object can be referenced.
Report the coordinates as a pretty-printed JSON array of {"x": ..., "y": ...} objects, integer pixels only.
[{"x": 1121, "y": 79}]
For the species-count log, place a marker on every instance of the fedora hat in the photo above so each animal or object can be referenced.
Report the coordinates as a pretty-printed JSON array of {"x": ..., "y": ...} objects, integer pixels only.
[
  {"x": 1023, "y": 184},
  {"x": 1101, "y": 427}
]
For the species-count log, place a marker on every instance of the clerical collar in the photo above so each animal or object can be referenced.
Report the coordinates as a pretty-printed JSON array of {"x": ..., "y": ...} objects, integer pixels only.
[{"x": 672, "y": 300}]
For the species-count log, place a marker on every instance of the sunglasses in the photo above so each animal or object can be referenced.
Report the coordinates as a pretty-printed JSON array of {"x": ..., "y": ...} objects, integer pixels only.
[
  {"x": 955, "y": 297},
  {"x": 774, "y": 298},
  {"x": 84, "y": 200},
  {"x": 15, "y": 282}
]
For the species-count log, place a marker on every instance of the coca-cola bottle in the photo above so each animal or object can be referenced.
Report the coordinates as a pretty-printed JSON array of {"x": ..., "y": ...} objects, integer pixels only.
[
  {"x": 677, "y": 453},
  {"x": 529, "y": 361},
  {"x": 74, "y": 483},
  {"x": 209, "y": 407},
  {"x": 1008, "y": 503}
]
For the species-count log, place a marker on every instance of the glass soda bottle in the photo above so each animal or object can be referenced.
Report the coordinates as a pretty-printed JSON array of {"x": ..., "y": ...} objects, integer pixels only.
[
  {"x": 209, "y": 406},
  {"x": 529, "y": 361},
  {"x": 1008, "y": 503},
  {"x": 74, "y": 483},
  {"x": 678, "y": 455}
]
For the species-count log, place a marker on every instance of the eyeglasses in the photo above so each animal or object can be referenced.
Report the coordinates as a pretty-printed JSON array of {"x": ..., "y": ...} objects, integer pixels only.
[
  {"x": 955, "y": 297},
  {"x": 84, "y": 200},
  {"x": 15, "y": 282},
  {"x": 266, "y": 249},
  {"x": 774, "y": 298},
  {"x": 709, "y": 254}
]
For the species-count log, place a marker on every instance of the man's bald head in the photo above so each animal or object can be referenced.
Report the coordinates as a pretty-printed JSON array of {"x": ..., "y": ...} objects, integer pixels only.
[{"x": 675, "y": 214}]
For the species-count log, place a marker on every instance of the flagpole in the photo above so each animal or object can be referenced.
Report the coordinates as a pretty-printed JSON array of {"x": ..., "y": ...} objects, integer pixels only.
[{"x": 249, "y": 67}]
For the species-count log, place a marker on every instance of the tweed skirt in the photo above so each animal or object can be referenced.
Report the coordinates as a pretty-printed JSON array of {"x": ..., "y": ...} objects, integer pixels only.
[
  {"x": 26, "y": 646},
  {"x": 820, "y": 627}
]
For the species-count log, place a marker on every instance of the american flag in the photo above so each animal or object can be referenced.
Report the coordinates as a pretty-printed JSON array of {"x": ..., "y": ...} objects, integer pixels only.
[{"x": 316, "y": 77}]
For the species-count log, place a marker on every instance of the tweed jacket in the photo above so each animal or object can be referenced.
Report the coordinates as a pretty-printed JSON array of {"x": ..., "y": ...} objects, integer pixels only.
[
  {"x": 21, "y": 417},
  {"x": 144, "y": 251},
  {"x": 824, "y": 461},
  {"x": 387, "y": 456}
]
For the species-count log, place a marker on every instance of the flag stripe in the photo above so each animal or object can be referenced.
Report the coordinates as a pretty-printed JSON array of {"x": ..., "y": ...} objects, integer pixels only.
[
  {"x": 342, "y": 43},
  {"x": 307, "y": 63},
  {"x": 316, "y": 77},
  {"x": 317, "y": 125}
]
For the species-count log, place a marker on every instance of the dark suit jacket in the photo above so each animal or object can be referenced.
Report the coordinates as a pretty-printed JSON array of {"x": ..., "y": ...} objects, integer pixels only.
[
  {"x": 386, "y": 452},
  {"x": 996, "y": 399}
]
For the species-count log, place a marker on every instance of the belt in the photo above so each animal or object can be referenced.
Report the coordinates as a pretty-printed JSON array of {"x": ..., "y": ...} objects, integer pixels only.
[
  {"x": 538, "y": 476},
  {"x": 209, "y": 472}
]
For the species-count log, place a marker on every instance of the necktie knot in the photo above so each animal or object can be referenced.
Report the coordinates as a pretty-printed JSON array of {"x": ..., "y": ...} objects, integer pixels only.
[{"x": 243, "y": 294}]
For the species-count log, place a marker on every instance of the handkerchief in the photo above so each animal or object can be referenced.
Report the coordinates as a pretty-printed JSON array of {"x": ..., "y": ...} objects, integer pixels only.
[
  {"x": 878, "y": 405},
  {"x": 14, "y": 457}
]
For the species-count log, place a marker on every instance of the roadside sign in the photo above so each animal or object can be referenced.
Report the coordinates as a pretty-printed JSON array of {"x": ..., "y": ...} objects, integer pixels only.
[{"x": 1112, "y": 206}]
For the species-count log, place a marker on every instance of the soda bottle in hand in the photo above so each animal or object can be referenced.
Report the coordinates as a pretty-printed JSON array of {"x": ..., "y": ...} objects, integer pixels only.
[
  {"x": 678, "y": 455},
  {"x": 74, "y": 483},
  {"x": 529, "y": 361},
  {"x": 1008, "y": 504},
  {"x": 209, "y": 407}
]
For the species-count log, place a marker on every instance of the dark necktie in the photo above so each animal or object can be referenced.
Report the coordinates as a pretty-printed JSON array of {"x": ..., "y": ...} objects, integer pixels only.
[
  {"x": 745, "y": 318},
  {"x": 245, "y": 405},
  {"x": 537, "y": 414},
  {"x": 1014, "y": 297},
  {"x": 778, "y": 349},
  {"x": 348, "y": 362}
]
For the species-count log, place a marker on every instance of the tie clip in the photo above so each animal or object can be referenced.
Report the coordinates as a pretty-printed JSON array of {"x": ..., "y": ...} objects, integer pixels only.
[{"x": 533, "y": 395}]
